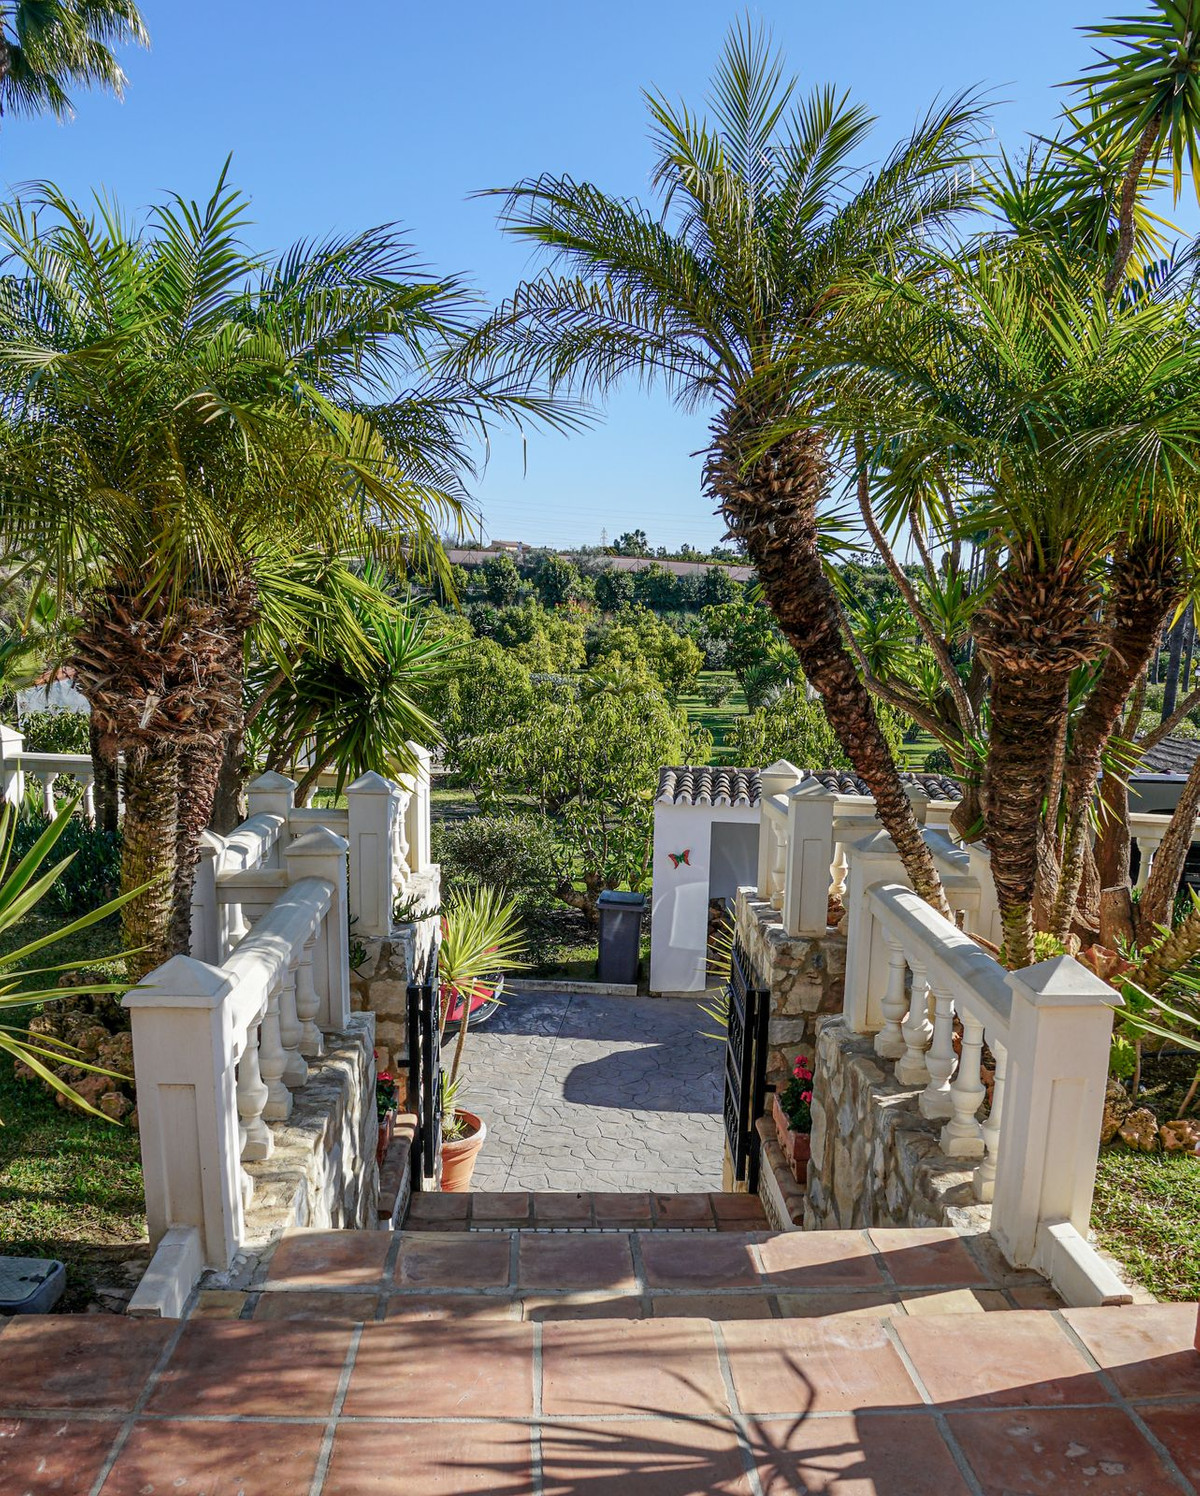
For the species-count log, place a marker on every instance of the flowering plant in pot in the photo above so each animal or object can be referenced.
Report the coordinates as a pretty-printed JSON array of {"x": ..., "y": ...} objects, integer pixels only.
[
  {"x": 792, "y": 1109},
  {"x": 481, "y": 932},
  {"x": 386, "y": 1100}
]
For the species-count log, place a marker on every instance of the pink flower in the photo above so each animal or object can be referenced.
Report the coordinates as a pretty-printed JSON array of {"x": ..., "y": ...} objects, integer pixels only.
[{"x": 806, "y": 1096}]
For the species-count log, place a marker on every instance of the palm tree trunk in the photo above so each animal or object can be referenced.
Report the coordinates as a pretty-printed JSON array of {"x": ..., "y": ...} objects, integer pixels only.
[
  {"x": 1035, "y": 629},
  {"x": 148, "y": 854},
  {"x": 1113, "y": 863},
  {"x": 1174, "y": 663},
  {"x": 231, "y": 783},
  {"x": 771, "y": 506},
  {"x": 199, "y": 770},
  {"x": 105, "y": 780},
  {"x": 1128, "y": 202},
  {"x": 1158, "y": 897}
]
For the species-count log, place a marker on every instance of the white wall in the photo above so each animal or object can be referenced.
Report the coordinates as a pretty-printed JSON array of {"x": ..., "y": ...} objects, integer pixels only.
[{"x": 718, "y": 839}]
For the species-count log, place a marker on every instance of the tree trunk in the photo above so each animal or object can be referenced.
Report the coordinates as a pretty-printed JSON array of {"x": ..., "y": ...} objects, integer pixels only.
[
  {"x": 1113, "y": 863},
  {"x": 105, "y": 781},
  {"x": 1128, "y": 202},
  {"x": 771, "y": 506},
  {"x": 1158, "y": 897},
  {"x": 148, "y": 854},
  {"x": 229, "y": 801},
  {"x": 1174, "y": 661},
  {"x": 1145, "y": 588},
  {"x": 199, "y": 769},
  {"x": 1036, "y": 628}
]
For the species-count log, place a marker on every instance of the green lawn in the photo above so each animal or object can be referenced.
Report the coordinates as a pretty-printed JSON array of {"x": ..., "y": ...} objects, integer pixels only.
[
  {"x": 718, "y": 719},
  {"x": 1147, "y": 1214}
]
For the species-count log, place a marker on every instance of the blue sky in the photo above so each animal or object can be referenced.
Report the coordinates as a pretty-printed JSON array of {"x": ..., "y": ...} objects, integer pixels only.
[{"x": 341, "y": 117}]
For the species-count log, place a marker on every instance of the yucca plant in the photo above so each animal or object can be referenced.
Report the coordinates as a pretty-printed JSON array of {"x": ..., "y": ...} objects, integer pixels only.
[
  {"x": 481, "y": 936},
  {"x": 21, "y": 890}
]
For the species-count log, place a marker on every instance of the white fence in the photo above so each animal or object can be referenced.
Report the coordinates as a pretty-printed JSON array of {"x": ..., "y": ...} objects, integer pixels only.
[
  {"x": 18, "y": 765},
  {"x": 224, "y": 1036},
  {"x": 912, "y": 977}
]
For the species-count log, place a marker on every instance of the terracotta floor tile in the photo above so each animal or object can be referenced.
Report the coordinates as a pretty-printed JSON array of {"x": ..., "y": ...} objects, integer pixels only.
[
  {"x": 562, "y": 1208},
  {"x": 509, "y": 1208},
  {"x": 820, "y": 1259},
  {"x": 1179, "y": 1429},
  {"x": 631, "y": 1367},
  {"x": 1018, "y": 1359},
  {"x": 1146, "y": 1348},
  {"x": 718, "y": 1306},
  {"x": 547, "y": 1306},
  {"x": 330, "y": 1259},
  {"x": 624, "y": 1211},
  {"x": 1060, "y": 1452},
  {"x": 98, "y": 1362},
  {"x": 430, "y": 1459},
  {"x": 657, "y": 1457},
  {"x": 575, "y": 1261},
  {"x": 483, "y": 1370},
  {"x": 702, "y": 1260},
  {"x": 881, "y": 1303},
  {"x": 433, "y": 1259},
  {"x": 684, "y": 1210},
  {"x": 438, "y": 1212},
  {"x": 451, "y": 1306},
  {"x": 238, "y": 1366},
  {"x": 200, "y": 1459},
  {"x": 931, "y": 1257},
  {"x": 301, "y": 1303},
  {"x": 944, "y": 1301},
  {"x": 40, "y": 1456},
  {"x": 740, "y": 1212},
  {"x": 803, "y": 1366},
  {"x": 870, "y": 1454}
]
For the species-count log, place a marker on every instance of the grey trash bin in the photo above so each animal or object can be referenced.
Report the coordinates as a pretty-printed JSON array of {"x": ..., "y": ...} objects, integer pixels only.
[{"x": 620, "y": 935}]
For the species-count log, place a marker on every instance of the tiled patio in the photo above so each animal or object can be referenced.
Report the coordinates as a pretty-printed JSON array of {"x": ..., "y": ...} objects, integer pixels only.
[{"x": 873, "y": 1397}]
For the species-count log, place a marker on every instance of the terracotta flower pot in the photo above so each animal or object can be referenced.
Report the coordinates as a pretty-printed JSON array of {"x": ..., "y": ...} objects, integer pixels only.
[
  {"x": 387, "y": 1131},
  {"x": 459, "y": 1154},
  {"x": 796, "y": 1147}
]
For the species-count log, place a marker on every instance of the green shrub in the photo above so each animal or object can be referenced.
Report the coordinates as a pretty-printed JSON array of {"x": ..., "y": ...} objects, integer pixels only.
[
  {"x": 92, "y": 877},
  {"x": 938, "y": 761},
  {"x": 517, "y": 854},
  {"x": 716, "y": 692},
  {"x": 56, "y": 732}
]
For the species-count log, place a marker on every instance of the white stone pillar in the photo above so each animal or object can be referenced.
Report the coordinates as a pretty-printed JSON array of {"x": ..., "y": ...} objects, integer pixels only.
[
  {"x": 206, "y": 915},
  {"x": 183, "y": 1061},
  {"x": 418, "y": 821},
  {"x": 776, "y": 779},
  {"x": 321, "y": 853},
  {"x": 12, "y": 777},
  {"x": 369, "y": 803},
  {"x": 274, "y": 795},
  {"x": 809, "y": 856},
  {"x": 1058, "y": 1044}
]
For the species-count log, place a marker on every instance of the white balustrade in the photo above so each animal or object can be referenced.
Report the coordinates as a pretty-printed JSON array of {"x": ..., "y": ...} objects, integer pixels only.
[{"x": 1148, "y": 830}]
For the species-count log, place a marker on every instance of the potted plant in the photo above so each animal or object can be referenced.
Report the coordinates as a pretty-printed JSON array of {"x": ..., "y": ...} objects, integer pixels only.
[
  {"x": 385, "y": 1106},
  {"x": 792, "y": 1110},
  {"x": 480, "y": 934}
]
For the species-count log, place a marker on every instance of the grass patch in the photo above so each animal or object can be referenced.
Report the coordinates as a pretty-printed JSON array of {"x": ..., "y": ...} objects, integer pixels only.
[
  {"x": 718, "y": 720},
  {"x": 70, "y": 1186},
  {"x": 1147, "y": 1214}
]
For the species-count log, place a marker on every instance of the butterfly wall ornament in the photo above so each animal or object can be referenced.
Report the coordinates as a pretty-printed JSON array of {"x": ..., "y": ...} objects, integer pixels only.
[{"x": 678, "y": 859}]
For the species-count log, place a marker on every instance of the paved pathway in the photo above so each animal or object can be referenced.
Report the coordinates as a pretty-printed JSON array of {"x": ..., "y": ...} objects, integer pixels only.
[{"x": 596, "y": 1093}]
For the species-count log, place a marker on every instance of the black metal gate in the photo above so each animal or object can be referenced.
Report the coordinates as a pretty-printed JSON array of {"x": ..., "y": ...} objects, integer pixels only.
[
  {"x": 745, "y": 1066},
  {"x": 425, "y": 1073}
]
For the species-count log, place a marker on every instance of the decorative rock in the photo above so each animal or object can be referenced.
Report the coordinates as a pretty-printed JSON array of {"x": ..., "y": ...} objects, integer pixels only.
[
  {"x": 1140, "y": 1130},
  {"x": 1180, "y": 1136},
  {"x": 1117, "y": 1107}
]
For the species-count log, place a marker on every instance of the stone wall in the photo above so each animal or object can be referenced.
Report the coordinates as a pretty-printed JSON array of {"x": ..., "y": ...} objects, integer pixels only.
[
  {"x": 805, "y": 978},
  {"x": 876, "y": 1161},
  {"x": 378, "y": 983},
  {"x": 322, "y": 1171}
]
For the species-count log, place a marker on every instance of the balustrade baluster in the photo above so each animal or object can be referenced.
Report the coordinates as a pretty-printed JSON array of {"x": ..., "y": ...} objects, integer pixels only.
[
  {"x": 962, "y": 1137},
  {"x": 939, "y": 1060},
  {"x": 295, "y": 1071},
  {"x": 272, "y": 1060},
  {"x": 838, "y": 872},
  {"x": 308, "y": 1002},
  {"x": 911, "y": 1069},
  {"x": 48, "y": 802},
  {"x": 778, "y": 871},
  {"x": 252, "y": 1097},
  {"x": 985, "y": 1174},
  {"x": 89, "y": 801},
  {"x": 889, "y": 1041}
]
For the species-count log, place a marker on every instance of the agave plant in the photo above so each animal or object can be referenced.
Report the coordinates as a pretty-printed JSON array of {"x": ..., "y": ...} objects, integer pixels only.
[
  {"x": 481, "y": 934},
  {"x": 21, "y": 890}
]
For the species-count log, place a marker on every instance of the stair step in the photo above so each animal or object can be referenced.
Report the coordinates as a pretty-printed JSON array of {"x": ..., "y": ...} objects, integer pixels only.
[{"x": 563, "y": 1210}]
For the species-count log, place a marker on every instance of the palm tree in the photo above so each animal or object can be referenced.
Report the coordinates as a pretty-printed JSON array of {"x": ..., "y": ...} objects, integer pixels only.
[
  {"x": 181, "y": 415},
  {"x": 48, "y": 46},
  {"x": 1005, "y": 394},
  {"x": 723, "y": 296}
]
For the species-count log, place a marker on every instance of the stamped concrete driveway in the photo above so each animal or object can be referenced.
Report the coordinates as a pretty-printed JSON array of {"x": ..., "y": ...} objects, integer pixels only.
[{"x": 582, "y": 1092}]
